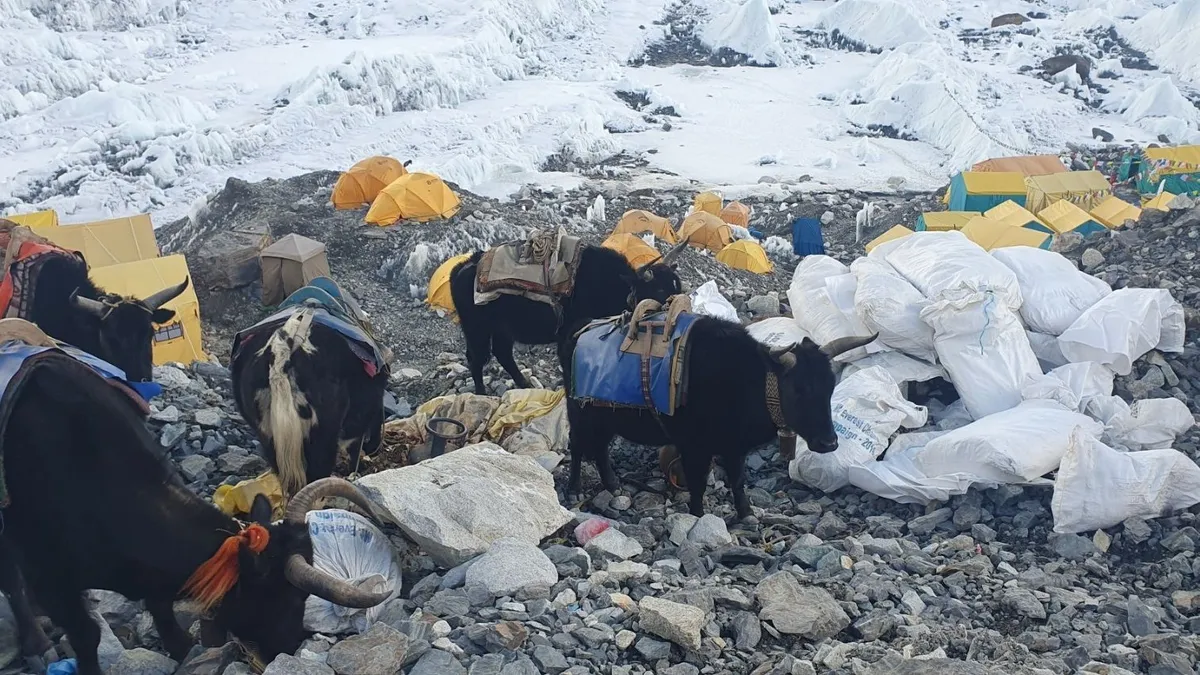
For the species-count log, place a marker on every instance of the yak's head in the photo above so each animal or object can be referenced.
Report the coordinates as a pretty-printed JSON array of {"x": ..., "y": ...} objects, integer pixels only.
[
  {"x": 126, "y": 326},
  {"x": 806, "y": 382},
  {"x": 657, "y": 279},
  {"x": 265, "y": 608}
]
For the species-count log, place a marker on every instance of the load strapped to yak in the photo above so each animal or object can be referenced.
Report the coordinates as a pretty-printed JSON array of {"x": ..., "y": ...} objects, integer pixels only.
[{"x": 541, "y": 267}]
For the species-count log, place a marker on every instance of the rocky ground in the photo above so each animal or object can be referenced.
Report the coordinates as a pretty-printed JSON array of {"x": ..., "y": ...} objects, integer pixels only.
[{"x": 839, "y": 583}]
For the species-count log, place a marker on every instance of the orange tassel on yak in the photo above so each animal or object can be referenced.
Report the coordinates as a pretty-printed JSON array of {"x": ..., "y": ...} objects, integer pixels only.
[{"x": 212, "y": 580}]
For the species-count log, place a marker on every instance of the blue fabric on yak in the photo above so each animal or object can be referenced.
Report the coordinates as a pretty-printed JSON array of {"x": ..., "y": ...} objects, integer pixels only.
[{"x": 603, "y": 374}]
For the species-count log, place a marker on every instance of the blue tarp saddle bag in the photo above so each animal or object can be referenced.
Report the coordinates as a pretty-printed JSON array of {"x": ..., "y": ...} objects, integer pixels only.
[{"x": 635, "y": 361}]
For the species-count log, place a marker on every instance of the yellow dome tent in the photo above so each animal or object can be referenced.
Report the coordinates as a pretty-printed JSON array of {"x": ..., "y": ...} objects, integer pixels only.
[
  {"x": 1160, "y": 201},
  {"x": 414, "y": 196},
  {"x": 106, "y": 242},
  {"x": 634, "y": 248},
  {"x": 439, "y": 285},
  {"x": 736, "y": 213},
  {"x": 705, "y": 230},
  {"x": 1114, "y": 211},
  {"x": 1012, "y": 213},
  {"x": 362, "y": 183},
  {"x": 637, "y": 221},
  {"x": 47, "y": 218},
  {"x": 992, "y": 234},
  {"x": 746, "y": 254},
  {"x": 896, "y": 232},
  {"x": 708, "y": 202}
]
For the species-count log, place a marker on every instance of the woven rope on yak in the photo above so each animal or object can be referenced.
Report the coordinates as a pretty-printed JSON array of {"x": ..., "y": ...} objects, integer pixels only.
[{"x": 212, "y": 580}]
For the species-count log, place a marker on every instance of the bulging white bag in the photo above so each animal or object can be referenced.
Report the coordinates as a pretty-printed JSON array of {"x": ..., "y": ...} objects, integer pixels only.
[
  {"x": 349, "y": 547},
  {"x": 1151, "y": 423},
  {"x": 1049, "y": 354},
  {"x": 1099, "y": 487},
  {"x": 886, "y": 303},
  {"x": 1074, "y": 385},
  {"x": 937, "y": 262},
  {"x": 895, "y": 477},
  {"x": 1124, "y": 325},
  {"x": 867, "y": 409},
  {"x": 980, "y": 342},
  {"x": 901, "y": 367},
  {"x": 814, "y": 308},
  {"x": 1053, "y": 291},
  {"x": 1013, "y": 446},
  {"x": 707, "y": 300},
  {"x": 777, "y": 331}
]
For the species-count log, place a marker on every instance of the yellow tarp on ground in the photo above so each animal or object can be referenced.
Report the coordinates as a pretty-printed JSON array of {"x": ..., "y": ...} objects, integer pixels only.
[
  {"x": 236, "y": 500},
  {"x": 363, "y": 182},
  {"x": 708, "y": 202},
  {"x": 637, "y": 221},
  {"x": 634, "y": 248},
  {"x": 414, "y": 196},
  {"x": 1179, "y": 159},
  {"x": 180, "y": 339},
  {"x": 1114, "y": 211},
  {"x": 1026, "y": 165},
  {"x": 942, "y": 221},
  {"x": 991, "y": 234},
  {"x": 439, "y": 285},
  {"x": 1063, "y": 216},
  {"x": 1084, "y": 189},
  {"x": 894, "y": 233},
  {"x": 746, "y": 254},
  {"x": 1012, "y": 214},
  {"x": 736, "y": 213},
  {"x": 47, "y": 218},
  {"x": 994, "y": 182},
  {"x": 1160, "y": 202},
  {"x": 705, "y": 230},
  {"x": 106, "y": 242}
]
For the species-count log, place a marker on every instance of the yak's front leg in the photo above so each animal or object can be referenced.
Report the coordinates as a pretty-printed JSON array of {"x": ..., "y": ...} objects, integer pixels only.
[
  {"x": 696, "y": 464},
  {"x": 735, "y": 469}
]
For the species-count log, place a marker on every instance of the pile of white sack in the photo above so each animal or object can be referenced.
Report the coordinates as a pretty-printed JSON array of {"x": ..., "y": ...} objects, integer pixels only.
[{"x": 1031, "y": 344}]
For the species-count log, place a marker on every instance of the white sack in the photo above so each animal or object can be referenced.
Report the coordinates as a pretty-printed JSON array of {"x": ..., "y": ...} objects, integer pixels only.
[
  {"x": 1013, "y": 446},
  {"x": 886, "y": 303},
  {"x": 1151, "y": 423},
  {"x": 1053, "y": 291},
  {"x": 867, "y": 409},
  {"x": 707, "y": 300},
  {"x": 981, "y": 343},
  {"x": 937, "y": 262},
  {"x": 1123, "y": 326},
  {"x": 1099, "y": 487},
  {"x": 348, "y": 547},
  {"x": 898, "y": 479},
  {"x": 544, "y": 438},
  {"x": 1049, "y": 354},
  {"x": 1073, "y": 385},
  {"x": 901, "y": 367},
  {"x": 814, "y": 308},
  {"x": 950, "y": 417},
  {"x": 777, "y": 331}
]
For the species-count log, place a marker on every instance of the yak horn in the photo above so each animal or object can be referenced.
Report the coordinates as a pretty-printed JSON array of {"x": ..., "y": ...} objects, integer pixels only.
[
  {"x": 301, "y": 574},
  {"x": 166, "y": 295},
  {"x": 842, "y": 345},
  {"x": 784, "y": 356},
  {"x": 672, "y": 254},
  {"x": 332, "y": 486},
  {"x": 89, "y": 305}
]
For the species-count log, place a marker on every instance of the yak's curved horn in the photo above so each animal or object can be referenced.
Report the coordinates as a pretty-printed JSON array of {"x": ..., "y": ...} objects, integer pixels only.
[
  {"x": 784, "y": 356},
  {"x": 332, "y": 486},
  {"x": 166, "y": 295},
  {"x": 94, "y": 307},
  {"x": 305, "y": 577},
  {"x": 672, "y": 254},
  {"x": 842, "y": 345}
]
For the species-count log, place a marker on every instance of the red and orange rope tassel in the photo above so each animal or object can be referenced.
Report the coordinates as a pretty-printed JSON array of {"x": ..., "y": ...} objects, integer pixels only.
[{"x": 212, "y": 580}]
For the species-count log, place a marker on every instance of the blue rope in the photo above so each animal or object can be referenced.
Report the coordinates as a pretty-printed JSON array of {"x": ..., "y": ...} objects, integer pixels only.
[{"x": 987, "y": 315}]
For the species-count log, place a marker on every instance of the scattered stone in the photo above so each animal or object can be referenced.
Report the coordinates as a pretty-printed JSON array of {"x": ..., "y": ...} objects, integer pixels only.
[
  {"x": 286, "y": 664},
  {"x": 438, "y": 662},
  {"x": 1140, "y": 617},
  {"x": 1073, "y": 546},
  {"x": 549, "y": 659},
  {"x": 1092, "y": 260},
  {"x": 612, "y": 544},
  {"x": 653, "y": 650},
  {"x": 792, "y": 609},
  {"x": 1012, "y": 19},
  {"x": 710, "y": 531},
  {"x": 674, "y": 621},
  {"x": 513, "y": 567},
  {"x": 142, "y": 662},
  {"x": 379, "y": 650},
  {"x": 1023, "y": 602},
  {"x": 210, "y": 418}
]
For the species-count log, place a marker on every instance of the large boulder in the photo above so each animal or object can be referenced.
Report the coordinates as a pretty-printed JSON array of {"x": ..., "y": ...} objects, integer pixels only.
[{"x": 456, "y": 505}]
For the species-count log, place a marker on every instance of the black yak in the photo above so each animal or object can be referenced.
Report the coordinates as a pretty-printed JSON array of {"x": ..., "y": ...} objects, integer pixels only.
[
  {"x": 309, "y": 392},
  {"x": 739, "y": 395},
  {"x": 91, "y": 506},
  {"x": 605, "y": 285}
]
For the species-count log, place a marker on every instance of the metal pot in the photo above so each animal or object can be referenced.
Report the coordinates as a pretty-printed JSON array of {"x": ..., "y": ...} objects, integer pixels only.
[{"x": 444, "y": 431}]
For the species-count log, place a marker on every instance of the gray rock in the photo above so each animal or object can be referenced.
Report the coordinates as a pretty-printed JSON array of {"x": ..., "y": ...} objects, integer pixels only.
[
  {"x": 679, "y": 525},
  {"x": 1140, "y": 618},
  {"x": 831, "y": 526},
  {"x": 521, "y": 666},
  {"x": 448, "y": 504},
  {"x": 450, "y": 602},
  {"x": 114, "y": 607},
  {"x": 210, "y": 418},
  {"x": 1137, "y": 530},
  {"x": 874, "y": 626},
  {"x": 168, "y": 415},
  {"x": 923, "y": 525},
  {"x": 674, "y": 621},
  {"x": 142, "y": 662},
  {"x": 379, "y": 650},
  {"x": 240, "y": 463},
  {"x": 710, "y": 531},
  {"x": 513, "y": 567},
  {"x": 210, "y": 661},
  {"x": 549, "y": 659},
  {"x": 795, "y": 610},
  {"x": 196, "y": 467},
  {"x": 570, "y": 561},
  {"x": 612, "y": 544},
  {"x": 488, "y": 664},
  {"x": 926, "y": 667},
  {"x": 1023, "y": 602},
  {"x": 1092, "y": 259},
  {"x": 653, "y": 650},
  {"x": 1073, "y": 546},
  {"x": 747, "y": 630},
  {"x": 680, "y": 669},
  {"x": 763, "y": 305},
  {"x": 286, "y": 664},
  {"x": 912, "y": 603},
  {"x": 172, "y": 434},
  {"x": 438, "y": 662}
]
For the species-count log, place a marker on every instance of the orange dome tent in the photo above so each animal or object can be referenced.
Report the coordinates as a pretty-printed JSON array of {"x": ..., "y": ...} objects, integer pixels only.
[
  {"x": 746, "y": 254},
  {"x": 637, "y": 221},
  {"x": 634, "y": 248},
  {"x": 414, "y": 196},
  {"x": 708, "y": 202},
  {"x": 439, "y": 286},
  {"x": 360, "y": 185},
  {"x": 736, "y": 213},
  {"x": 704, "y": 230}
]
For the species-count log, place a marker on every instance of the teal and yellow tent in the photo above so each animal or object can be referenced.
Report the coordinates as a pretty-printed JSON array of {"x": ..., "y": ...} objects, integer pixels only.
[
  {"x": 1063, "y": 216},
  {"x": 981, "y": 190},
  {"x": 1177, "y": 168},
  {"x": 943, "y": 221}
]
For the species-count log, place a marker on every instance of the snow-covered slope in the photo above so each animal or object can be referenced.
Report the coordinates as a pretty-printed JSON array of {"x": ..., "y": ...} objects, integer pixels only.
[{"x": 110, "y": 107}]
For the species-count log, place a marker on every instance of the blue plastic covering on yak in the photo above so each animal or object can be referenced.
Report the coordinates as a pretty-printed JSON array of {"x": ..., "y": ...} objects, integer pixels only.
[
  {"x": 13, "y": 355},
  {"x": 602, "y": 373},
  {"x": 807, "y": 238},
  {"x": 362, "y": 344}
]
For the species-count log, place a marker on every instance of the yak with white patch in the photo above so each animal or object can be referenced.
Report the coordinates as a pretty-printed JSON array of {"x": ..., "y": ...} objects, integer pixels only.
[
  {"x": 605, "y": 285},
  {"x": 310, "y": 395},
  {"x": 740, "y": 395},
  {"x": 91, "y": 506}
]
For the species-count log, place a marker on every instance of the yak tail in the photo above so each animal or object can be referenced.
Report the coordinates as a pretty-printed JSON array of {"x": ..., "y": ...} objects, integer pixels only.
[{"x": 288, "y": 430}]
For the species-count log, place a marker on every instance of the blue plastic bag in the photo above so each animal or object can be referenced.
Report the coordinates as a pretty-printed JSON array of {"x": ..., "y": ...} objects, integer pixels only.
[{"x": 64, "y": 667}]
